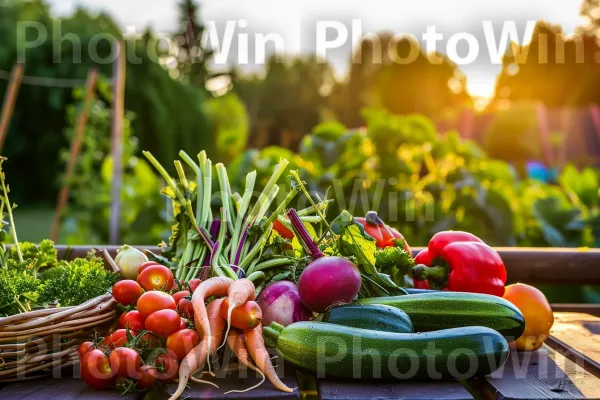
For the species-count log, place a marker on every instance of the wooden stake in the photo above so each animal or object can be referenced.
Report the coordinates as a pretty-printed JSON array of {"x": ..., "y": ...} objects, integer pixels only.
[
  {"x": 565, "y": 124},
  {"x": 63, "y": 195},
  {"x": 544, "y": 128},
  {"x": 595, "y": 112},
  {"x": 117, "y": 141},
  {"x": 466, "y": 123},
  {"x": 9, "y": 101}
]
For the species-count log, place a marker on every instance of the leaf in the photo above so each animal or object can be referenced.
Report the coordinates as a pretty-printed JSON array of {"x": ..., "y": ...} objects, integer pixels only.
[
  {"x": 584, "y": 184},
  {"x": 355, "y": 242}
]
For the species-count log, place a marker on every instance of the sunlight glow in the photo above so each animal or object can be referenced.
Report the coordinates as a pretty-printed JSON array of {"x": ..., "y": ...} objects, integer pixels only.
[{"x": 295, "y": 21}]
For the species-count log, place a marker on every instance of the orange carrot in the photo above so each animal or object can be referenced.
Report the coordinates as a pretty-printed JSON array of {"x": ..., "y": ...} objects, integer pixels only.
[
  {"x": 217, "y": 286},
  {"x": 245, "y": 317},
  {"x": 194, "y": 360},
  {"x": 239, "y": 292},
  {"x": 236, "y": 343},
  {"x": 261, "y": 357}
]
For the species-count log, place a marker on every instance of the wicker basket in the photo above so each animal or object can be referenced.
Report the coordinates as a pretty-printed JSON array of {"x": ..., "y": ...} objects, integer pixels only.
[{"x": 35, "y": 343}]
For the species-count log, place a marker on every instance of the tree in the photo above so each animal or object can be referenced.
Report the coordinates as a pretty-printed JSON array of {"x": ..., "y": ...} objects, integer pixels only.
[
  {"x": 170, "y": 114},
  {"x": 590, "y": 11},
  {"x": 287, "y": 102},
  {"x": 552, "y": 68},
  {"x": 399, "y": 77},
  {"x": 192, "y": 58}
]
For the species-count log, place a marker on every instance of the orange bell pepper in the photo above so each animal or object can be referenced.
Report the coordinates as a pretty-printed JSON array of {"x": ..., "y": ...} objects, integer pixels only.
[{"x": 537, "y": 312}]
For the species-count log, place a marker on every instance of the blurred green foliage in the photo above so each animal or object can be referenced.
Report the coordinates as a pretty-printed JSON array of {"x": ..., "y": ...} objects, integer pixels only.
[
  {"x": 174, "y": 113},
  {"x": 422, "y": 182},
  {"x": 229, "y": 125},
  {"x": 143, "y": 211},
  {"x": 514, "y": 135}
]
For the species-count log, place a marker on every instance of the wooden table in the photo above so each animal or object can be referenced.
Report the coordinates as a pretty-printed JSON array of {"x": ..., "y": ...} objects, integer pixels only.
[{"x": 567, "y": 367}]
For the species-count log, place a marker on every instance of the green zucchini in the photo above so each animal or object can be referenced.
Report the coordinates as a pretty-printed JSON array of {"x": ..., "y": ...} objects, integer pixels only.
[
  {"x": 443, "y": 310},
  {"x": 370, "y": 316},
  {"x": 336, "y": 351}
]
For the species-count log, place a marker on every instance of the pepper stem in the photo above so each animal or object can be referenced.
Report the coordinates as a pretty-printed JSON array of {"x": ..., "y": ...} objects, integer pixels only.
[
  {"x": 373, "y": 218},
  {"x": 437, "y": 276}
]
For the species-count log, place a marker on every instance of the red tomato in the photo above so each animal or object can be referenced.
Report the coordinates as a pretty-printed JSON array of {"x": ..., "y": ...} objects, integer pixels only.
[
  {"x": 149, "y": 340},
  {"x": 84, "y": 348},
  {"x": 179, "y": 285},
  {"x": 145, "y": 265},
  {"x": 117, "y": 339},
  {"x": 180, "y": 295},
  {"x": 193, "y": 284},
  {"x": 147, "y": 377},
  {"x": 163, "y": 322},
  {"x": 168, "y": 367},
  {"x": 185, "y": 308},
  {"x": 156, "y": 277},
  {"x": 125, "y": 362},
  {"x": 153, "y": 301},
  {"x": 183, "y": 324},
  {"x": 132, "y": 319},
  {"x": 126, "y": 292},
  {"x": 182, "y": 342},
  {"x": 95, "y": 370}
]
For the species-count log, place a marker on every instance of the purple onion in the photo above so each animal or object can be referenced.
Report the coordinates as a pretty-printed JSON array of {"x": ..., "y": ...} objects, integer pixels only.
[{"x": 280, "y": 302}]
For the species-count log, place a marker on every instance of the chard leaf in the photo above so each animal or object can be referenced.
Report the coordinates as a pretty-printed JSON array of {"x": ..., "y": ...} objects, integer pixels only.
[{"x": 354, "y": 242}]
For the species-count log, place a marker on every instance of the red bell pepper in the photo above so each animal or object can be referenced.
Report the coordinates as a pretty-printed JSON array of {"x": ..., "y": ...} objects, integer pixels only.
[
  {"x": 283, "y": 230},
  {"x": 384, "y": 235},
  {"x": 459, "y": 262}
]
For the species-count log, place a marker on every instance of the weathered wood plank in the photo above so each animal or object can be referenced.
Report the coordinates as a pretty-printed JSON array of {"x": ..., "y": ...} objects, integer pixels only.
[
  {"x": 543, "y": 374},
  {"x": 578, "y": 336},
  {"x": 591, "y": 309},
  {"x": 241, "y": 379},
  {"x": 61, "y": 389},
  {"x": 551, "y": 265},
  {"x": 527, "y": 265},
  {"x": 407, "y": 390}
]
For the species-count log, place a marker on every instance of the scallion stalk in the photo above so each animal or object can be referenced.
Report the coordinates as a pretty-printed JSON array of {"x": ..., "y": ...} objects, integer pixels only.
[{"x": 245, "y": 204}]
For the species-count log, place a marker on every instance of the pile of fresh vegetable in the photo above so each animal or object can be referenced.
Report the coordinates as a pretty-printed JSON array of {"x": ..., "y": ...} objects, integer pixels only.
[{"x": 243, "y": 268}]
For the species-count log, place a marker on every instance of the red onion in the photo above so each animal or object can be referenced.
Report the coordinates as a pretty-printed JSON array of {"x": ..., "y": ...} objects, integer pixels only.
[
  {"x": 327, "y": 281},
  {"x": 280, "y": 302}
]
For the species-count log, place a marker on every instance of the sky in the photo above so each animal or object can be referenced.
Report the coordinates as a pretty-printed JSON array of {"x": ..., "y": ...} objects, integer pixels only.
[{"x": 458, "y": 24}]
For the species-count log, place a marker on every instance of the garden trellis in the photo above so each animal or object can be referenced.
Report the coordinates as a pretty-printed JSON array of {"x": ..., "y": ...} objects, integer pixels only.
[{"x": 16, "y": 78}]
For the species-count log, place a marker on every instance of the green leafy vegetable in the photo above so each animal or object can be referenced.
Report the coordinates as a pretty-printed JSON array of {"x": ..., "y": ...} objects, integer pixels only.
[
  {"x": 18, "y": 290},
  {"x": 353, "y": 242},
  {"x": 394, "y": 261},
  {"x": 75, "y": 282}
]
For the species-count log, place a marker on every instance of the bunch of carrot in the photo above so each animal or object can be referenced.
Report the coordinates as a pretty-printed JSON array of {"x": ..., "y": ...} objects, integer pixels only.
[{"x": 234, "y": 307}]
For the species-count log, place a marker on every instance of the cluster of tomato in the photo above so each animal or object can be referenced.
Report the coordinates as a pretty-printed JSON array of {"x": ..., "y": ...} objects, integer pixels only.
[{"x": 153, "y": 333}]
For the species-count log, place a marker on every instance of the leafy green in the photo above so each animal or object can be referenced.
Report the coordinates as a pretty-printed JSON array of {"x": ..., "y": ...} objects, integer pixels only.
[
  {"x": 354, "y": 243},
  {"x": 18, "y": 290},
  {"x": 36, "y": 256},
  {"x": 74, "y": 282},
  {"x": 395, "y": 262}
]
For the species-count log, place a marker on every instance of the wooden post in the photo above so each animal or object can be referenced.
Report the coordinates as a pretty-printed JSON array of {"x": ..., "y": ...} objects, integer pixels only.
[
  {"x": 544, "y": 128},
  {"x": 9, "y": 101},
  {"x": 466, "y": 124},
  {"x": 117, "y": 141},
  {"x": 63, "y": 195},
  {"x": 565, "y": 128},
  {"x": 595, "y": 112}
]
